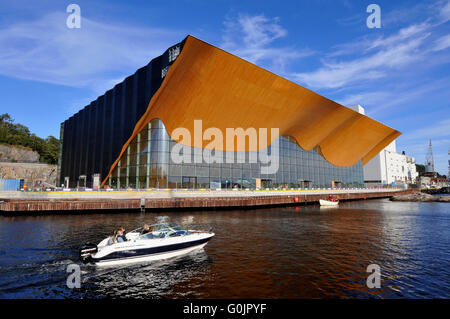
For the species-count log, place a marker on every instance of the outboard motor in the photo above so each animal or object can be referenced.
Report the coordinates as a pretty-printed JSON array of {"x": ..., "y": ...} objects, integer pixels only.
[{"x": 86, "y": 252}]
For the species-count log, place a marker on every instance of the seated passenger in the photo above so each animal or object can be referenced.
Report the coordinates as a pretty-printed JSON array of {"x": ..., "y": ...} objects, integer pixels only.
[
  {"x": 118, "y": 236},
  {"x": 124, "y": 237},
  {"x": 146, "y": 229},
  {"x": 148, "y": 232}
]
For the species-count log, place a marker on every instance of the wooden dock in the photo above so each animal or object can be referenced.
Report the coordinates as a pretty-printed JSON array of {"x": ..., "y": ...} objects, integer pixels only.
[{"x": 171, "y": 201}]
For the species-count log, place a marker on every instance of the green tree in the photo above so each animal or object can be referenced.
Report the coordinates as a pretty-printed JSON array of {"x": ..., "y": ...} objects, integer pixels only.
[
  {"x": 17, "y": 134},
  {"x": 420, "y": 168}
]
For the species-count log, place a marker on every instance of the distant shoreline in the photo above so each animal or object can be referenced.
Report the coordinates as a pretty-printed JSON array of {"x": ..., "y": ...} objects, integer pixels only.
[{"x": 422, "y": 197}]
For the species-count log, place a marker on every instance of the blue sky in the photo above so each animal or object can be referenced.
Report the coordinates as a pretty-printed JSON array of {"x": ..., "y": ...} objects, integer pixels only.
[{"x": 400, "y": 73}]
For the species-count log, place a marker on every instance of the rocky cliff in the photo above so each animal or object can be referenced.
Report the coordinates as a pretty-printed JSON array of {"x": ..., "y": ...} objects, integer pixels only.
[{"x": 18, "y": 154}]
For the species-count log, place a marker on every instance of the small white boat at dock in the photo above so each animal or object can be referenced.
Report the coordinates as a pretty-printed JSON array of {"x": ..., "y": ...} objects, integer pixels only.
[{"x": 328, "y": 203}]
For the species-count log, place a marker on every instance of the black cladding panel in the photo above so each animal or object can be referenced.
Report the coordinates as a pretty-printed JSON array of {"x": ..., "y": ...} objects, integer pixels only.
[{"x": 93, "y": 138}]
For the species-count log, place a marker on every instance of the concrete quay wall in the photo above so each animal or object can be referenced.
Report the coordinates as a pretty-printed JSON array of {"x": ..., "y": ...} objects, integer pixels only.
[{"x": 166, "y": 200}]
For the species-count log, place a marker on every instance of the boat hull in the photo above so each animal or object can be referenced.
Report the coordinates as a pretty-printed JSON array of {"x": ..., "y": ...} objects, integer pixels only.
[
  {"x": 327, "y": 203},
  {"x": 143, "y": 254}
]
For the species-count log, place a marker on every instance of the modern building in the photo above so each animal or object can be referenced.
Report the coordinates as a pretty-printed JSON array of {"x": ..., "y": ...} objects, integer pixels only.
[{"x": 126, "y": 138}]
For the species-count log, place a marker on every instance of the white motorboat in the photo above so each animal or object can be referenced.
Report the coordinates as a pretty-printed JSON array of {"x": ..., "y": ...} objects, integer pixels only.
[
  {"x": 165, "y": 240},
  {"x": 328, "y": 203}
]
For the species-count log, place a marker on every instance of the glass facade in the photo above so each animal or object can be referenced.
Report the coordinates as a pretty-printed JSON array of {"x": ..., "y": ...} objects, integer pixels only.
[{"x": 147, "y": 164}]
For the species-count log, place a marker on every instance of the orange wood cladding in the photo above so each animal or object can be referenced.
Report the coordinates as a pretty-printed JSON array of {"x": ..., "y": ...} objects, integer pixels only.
[{"x": 224, "y": 91}]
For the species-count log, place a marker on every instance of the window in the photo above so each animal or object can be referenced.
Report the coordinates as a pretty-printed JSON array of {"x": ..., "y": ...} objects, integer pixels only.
[
  {"x": 164, "y": 71},
  {"x": 173, "y": 53}
]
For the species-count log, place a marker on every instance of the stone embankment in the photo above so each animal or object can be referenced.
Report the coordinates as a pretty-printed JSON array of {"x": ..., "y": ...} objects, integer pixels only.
[
  {"x": 420, "y": 197},
  {"x": 19, "y": 162},
  {"x": 30, "y": 172}
]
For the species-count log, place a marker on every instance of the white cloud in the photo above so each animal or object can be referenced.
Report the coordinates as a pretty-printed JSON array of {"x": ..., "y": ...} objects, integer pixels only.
[
  {"x": 397, "y": 95},
  {"x": 368, "y": 98},
  {"x": 402, "y": 35},
  {"x": 366, "y": 44},
  {"x": 442, "y": 43},
  {"x": 251, "y": 38},
  {"x": 370, "y": 58},
  {"x": 435, "y": 131},
  {"x": 257, "y": 31},
  {"x": 445, "y": 12},
  {"x": 97, "y": 53},
  {"x": 374, "y": 66}
]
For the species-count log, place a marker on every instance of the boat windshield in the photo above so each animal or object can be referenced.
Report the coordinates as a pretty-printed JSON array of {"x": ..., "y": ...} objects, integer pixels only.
[{"x": 162, "y": 230}]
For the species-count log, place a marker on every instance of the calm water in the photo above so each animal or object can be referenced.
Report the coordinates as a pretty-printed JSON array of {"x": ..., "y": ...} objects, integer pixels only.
[{"x": 297, "y": 252}]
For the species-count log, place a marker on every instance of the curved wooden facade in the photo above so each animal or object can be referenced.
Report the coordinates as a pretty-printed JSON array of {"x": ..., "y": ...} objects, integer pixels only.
[{"x": 224, "y": 91}]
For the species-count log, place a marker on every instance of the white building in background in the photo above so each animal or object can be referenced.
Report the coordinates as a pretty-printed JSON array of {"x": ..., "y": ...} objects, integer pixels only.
[
  {"x": 388, "y": 166},
  {"x": 358, "y": 108}
]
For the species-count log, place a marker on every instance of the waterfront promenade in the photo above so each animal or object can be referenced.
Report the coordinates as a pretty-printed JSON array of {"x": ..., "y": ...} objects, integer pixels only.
[{"x": 65, "y": 201}]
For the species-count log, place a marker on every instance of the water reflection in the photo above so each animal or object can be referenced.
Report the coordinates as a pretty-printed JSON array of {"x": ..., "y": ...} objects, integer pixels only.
[
  {"x": 149, "y": 280},
  {"x": 295, "y": 252}
]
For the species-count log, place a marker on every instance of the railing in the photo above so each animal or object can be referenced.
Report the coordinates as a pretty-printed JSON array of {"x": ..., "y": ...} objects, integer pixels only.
[{"x": 216, "y": 190}]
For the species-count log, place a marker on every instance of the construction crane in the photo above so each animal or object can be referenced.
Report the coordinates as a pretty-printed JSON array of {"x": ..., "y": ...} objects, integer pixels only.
[{"x": 429, "y": 160}]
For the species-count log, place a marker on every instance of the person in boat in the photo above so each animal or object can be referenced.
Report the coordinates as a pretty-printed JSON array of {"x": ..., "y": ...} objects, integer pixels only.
[
  {"x": 119, "y": 236},
  {"x": 331, "y": 198},
  {"x": 123, "y": 236},
  {"x": 146, "y": 229}
]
